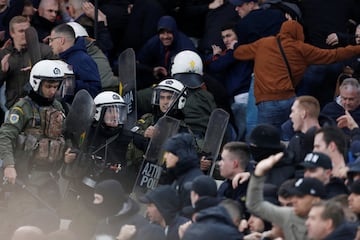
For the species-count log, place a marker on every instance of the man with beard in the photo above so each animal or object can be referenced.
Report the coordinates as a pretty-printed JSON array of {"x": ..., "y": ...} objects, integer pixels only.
[{"x": 154, "y": 58}]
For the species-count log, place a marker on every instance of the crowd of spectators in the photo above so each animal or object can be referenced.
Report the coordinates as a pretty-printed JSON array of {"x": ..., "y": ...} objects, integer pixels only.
[{"x": 287, "y": 75}]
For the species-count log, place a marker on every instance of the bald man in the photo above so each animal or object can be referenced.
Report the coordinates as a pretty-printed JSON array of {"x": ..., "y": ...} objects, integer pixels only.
[{"x": 45, "y": 19}]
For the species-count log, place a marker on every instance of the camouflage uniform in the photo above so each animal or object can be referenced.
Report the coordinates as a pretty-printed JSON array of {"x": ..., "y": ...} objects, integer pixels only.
[
  {"x": 137, "y": 147},
  {"x": 31, "y": 139},
  {"x": 198, "y": 107},
  {"x": 135, "y": 153}
]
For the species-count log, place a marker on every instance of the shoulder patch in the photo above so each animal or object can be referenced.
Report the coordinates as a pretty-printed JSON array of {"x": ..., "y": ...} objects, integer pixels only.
[
  {"x": 134, "y": 129},
  {"x": 13, "y": 118},
  {"x": 141, "y": 121},
  {"x": 144, "y": 117}
]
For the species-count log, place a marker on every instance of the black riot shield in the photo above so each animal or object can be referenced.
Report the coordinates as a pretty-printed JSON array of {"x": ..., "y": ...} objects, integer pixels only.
[
  {"x": 127, "y": 86},
  {"x": 214, "y": 135},
  {"x": 151, "y": 168},
  {"x": 32, "y": 41},
  {"x": 77, "y": 125}
]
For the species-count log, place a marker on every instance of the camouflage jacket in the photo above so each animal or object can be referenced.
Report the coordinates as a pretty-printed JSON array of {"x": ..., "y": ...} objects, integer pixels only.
[{"x": 23, "y": 116}]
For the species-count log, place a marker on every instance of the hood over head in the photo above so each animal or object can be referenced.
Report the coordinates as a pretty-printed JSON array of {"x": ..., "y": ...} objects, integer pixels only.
[
  {"x": 182, "y": 145},
  {"x": 217, "y": 212},
  {"x": 168, "y": 23},
  {"x": 165, "y": 199},
  {"x": 292, "y": 29},
  {"x": 114, "y": 198}
]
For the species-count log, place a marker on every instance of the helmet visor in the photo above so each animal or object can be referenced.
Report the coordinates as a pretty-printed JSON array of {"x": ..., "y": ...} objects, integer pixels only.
[
  {"x": 67, "y": 88},
  {"x": 164, "y": 98},
  {"x": 114, "y": 115}
]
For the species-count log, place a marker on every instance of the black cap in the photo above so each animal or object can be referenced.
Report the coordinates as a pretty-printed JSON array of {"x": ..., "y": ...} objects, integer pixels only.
[
  {"x": 241, "y": 2},
  {"x": 165, "y": 199},
  {"x": 355, "y": 187},
  {"x": 159, "y": 194},
  {"x": 270, "y": 193},
  {"x": 201, "y": 204},
  {"x": 308, "y": 186},
  {"x": 354, "y": 167},
  {"x": 202, "y": 185},
  {"x": 316, "y": 159},
  {"x": 266, "y": 136},
  {"x": 355, "y": 148}
]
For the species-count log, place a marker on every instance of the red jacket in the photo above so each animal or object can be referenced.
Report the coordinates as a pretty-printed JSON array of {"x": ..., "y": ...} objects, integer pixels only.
[{"x": 272, "y": 80}]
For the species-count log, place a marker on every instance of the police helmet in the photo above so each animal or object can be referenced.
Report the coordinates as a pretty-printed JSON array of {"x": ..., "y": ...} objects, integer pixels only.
[
  {"x": 173, "y": 86},
  {"x": 188, "y": 68},
  {"x": 112, "y": 103},
  {"x": 79, "y": 30},
  {"x": 49, "y": 70},
  {"x": 67, "y": 87}
]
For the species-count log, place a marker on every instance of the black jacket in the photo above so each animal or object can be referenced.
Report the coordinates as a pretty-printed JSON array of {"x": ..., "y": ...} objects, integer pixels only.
[
  {"x": 345, "y": 231},
  {"x": 213, "y": 224},
  {"x": 335, "y": 187},
  {"x": 111, "y": 226},
  {"x": 107, "y": 148},
  {"x": 42, "y": 26}
]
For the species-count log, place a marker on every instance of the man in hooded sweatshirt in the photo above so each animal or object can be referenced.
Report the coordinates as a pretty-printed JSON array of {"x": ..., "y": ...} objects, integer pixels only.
[
  {"x": 154, "y": 58},
  {"x": 275, "y": 82},
  {"x": 163, "y": 207},
  {"x": 218, "y": 222},
  {"x": 182, "y": 164},
  {"x": 115, "y": 209}
]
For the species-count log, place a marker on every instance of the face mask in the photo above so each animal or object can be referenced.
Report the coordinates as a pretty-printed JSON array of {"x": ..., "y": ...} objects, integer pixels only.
[
  {"x": 262, "y": 153},
  {"x": 105, "y": 209}
]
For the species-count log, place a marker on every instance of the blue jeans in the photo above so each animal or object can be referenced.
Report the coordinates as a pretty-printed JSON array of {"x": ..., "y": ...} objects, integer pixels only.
[
  {"x": 239, "y": 112},
  {"x": 274, "y": 112},
  {"x": 320, "y": 81},
  {"x": 251, "y": 110}
]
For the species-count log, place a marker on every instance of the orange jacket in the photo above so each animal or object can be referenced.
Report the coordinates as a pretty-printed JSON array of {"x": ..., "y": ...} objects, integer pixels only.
[{"x": 272, "y": 80}]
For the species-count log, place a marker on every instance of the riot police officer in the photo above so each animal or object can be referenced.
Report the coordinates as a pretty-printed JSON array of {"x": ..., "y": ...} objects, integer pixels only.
[
  {"x": 108, "y": 141},
  {"x": 102, "y": 158},
  {"x": 188, "y": 69},
  {"x": 166, "y": 92},
  {"x": 32, "y": 145}
]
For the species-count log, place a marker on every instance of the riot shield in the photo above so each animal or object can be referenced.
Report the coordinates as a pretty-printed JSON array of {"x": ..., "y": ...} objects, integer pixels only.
[
  {"x": 151, "y": 168},
  {"x": 127, "y": 86},
  {"x": 77, "y": 125},
  {"x": 33, "y": 46},
  {"x": 214, "y": 135}
]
